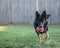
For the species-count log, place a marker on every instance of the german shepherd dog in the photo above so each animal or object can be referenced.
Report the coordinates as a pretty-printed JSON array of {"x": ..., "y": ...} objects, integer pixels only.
[{"x": 41, "y": 24}]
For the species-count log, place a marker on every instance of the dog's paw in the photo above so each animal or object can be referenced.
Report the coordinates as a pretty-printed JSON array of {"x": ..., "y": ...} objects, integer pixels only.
[
  {"x": 40, "y": 41},
  {"x": 47, "y": 42}
]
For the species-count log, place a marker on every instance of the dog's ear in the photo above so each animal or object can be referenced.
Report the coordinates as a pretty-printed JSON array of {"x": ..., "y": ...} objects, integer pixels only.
[
  {"x": 48, "y": 16},
  {"x": 44, "y": 14},
  {"x": 37, "y": 14}
]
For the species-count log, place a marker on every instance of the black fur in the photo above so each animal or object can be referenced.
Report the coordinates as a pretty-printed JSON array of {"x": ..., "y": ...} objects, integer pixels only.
[{"x": 41, "y": 19}]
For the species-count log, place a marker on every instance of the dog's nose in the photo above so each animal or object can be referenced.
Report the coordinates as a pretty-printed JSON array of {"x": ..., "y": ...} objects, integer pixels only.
[{"x": 40, "y": 26}]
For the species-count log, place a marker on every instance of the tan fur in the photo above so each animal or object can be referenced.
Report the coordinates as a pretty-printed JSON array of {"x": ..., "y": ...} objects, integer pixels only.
[{"x": 46, "y": 35}]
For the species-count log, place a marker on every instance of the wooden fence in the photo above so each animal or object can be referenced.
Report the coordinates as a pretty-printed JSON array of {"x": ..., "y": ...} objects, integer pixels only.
[{"x": 23, "y": 11}]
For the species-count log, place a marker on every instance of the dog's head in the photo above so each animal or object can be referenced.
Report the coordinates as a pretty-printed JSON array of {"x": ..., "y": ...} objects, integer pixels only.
[{"x": 42, "y": 20}]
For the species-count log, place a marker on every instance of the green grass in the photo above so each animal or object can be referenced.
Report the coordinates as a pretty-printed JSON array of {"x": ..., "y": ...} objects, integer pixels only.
[{"x": 24, "y": 35}]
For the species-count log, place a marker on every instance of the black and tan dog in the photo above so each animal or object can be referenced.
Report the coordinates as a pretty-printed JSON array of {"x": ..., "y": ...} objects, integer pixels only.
[{"x": 42, "y": 22}]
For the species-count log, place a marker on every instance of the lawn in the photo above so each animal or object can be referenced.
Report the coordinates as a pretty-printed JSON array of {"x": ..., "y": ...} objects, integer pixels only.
[{"x": 24, "y": 35}]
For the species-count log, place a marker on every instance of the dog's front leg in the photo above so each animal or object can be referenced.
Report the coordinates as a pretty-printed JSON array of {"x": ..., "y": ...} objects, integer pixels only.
[
  {"x": 40, "y": 37},
  {"x": 47, "y": 35}
]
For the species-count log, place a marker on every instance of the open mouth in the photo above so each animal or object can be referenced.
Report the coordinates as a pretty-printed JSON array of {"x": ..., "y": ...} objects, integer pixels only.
[{"x": 40, "y": 29}]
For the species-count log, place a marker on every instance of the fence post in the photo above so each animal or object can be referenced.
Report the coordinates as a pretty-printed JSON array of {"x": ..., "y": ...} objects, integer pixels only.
[{"x": 37, "y": 5}]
